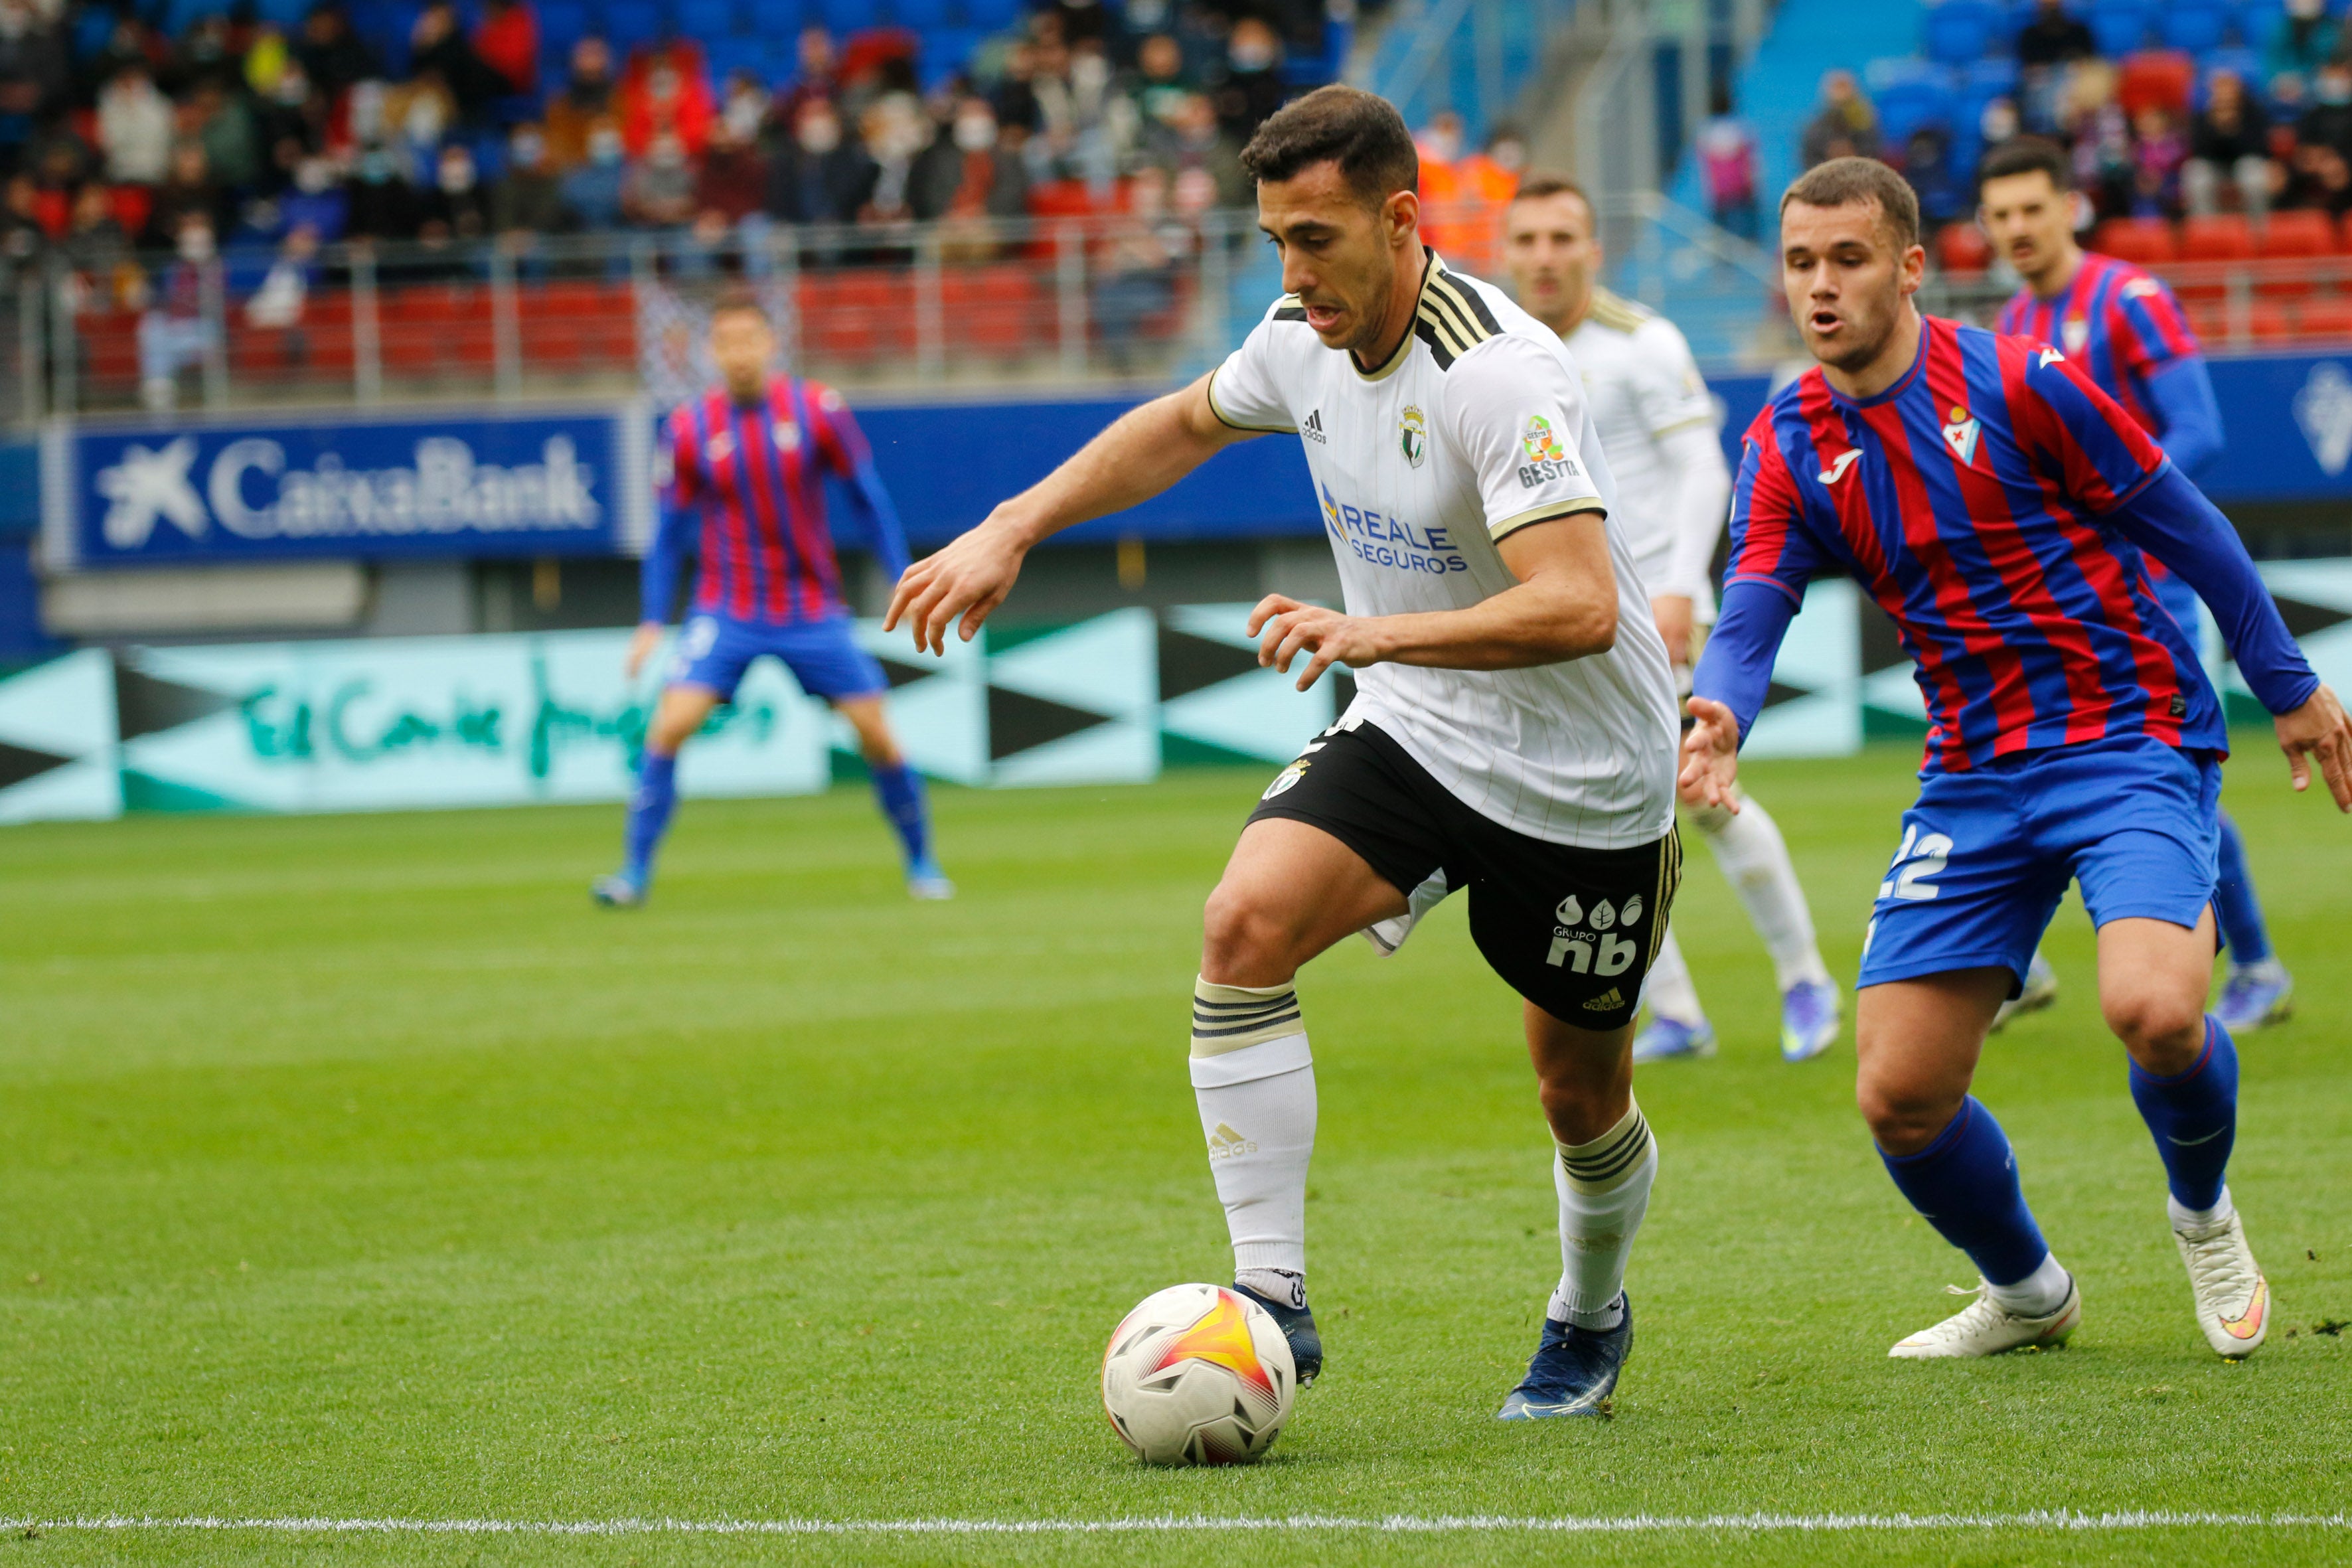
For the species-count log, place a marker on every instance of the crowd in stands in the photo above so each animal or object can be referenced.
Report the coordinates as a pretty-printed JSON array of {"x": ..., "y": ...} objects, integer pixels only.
[
  {"x": 2172, "y": 110},
  {"x": 117, "y": 133}
]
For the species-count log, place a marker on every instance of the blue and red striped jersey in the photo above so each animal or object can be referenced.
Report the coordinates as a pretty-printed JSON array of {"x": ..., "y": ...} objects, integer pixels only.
[
  {"x": 756, "y": 473},
  {"x": 2117, "y": 322},
  {"x": 1968, "y": 499}
]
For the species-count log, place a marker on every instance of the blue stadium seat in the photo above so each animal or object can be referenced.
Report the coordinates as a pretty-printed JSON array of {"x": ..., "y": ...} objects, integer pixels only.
[
  {"x": 1958, "y": 31},
  {"x": 706, "y": 19},
  {"x": 947, "y": 50},
  {"x": 776, "y": 20},
  {"x": 844, "y": 15},
  {"x": 1910, "y": 94},
  {"x": 2257, "y": 20},
  {"x": 561, "y": 24},
  {"x": 921, "y": 15},
  {"x": 2120, "y": 25},
  {"x": 728, "y": 56},
  {"x": 992, "y": 16},
  {"x": 1993, "y": 77},
  {"x": 632, "y": 22},
  {"x": 91, "y": 29},
  {"x": 2196, "y": 28}
]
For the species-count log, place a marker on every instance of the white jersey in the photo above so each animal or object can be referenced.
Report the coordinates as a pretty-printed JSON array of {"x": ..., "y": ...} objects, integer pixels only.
[
  {"x": 1474, "y": 429},
  {"x": 1642, "y": 385}
]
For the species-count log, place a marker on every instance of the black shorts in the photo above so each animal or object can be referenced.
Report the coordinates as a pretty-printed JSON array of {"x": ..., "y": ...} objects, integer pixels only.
[{"x": 1573, "y": 931}]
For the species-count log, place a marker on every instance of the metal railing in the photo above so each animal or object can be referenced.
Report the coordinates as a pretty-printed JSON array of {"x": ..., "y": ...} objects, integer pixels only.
[
  {"x": 1094, "y": 299},
  {"x": 2238, "y": 307}
]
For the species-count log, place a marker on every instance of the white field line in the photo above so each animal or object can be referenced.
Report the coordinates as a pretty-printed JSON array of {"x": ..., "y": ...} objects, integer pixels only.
[{"x": 1172, "y": 1524}]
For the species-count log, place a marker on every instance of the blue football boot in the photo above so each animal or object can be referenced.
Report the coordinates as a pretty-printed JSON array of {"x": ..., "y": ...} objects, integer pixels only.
[
  {"x": 2254, "y": 995},
  {"x": 927, "y": 883},
  {"x": 617, "y": 891},
  {"x": 1809, "y": 1020},
  {"x": 1663, "y": 1039},
  {"x": 1298, "y": 1325},
  {"x": 1574, "y": 1371}
]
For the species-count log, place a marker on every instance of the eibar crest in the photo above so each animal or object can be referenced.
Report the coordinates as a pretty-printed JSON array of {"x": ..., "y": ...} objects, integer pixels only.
[
  {"x": 2323, "y": 407},
  {"x": 1961, "y": 433},
  {"x": 1412, "y": 435}
]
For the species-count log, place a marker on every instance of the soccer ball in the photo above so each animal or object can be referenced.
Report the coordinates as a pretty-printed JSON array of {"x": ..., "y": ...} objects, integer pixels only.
[{"x": 1198, "y": 1374}]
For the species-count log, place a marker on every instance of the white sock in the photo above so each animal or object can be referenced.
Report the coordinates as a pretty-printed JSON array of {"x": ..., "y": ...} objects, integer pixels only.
[
  {"x": 1748, "y": 846},
  {"x": 1255, "y": 1081},
  {"x": 1667, "y": 990},
  {"x": 2037, "y": 1295},
  {"x": 2185, "y": 1218},
  {"x": 1604, "y": 1191}
]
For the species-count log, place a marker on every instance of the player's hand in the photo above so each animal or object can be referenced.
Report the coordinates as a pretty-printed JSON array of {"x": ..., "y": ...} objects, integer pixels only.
[
  {"x": 1710, "y": 757},
  {"x": 642, "y": 642},
  {"x": 1672, "y": 613},
  {"x": 2319, "y": 729},
  {"x": 1328, "y": 638},
  {"x": 969, "y": 578}
]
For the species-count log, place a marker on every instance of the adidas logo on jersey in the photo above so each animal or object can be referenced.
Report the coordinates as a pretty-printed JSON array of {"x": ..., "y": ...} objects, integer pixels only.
[
  {"x": 1312, "y": 426},
  {"x": 1604, "y": 1001},
  {"x": 1225, "y": 1144}
]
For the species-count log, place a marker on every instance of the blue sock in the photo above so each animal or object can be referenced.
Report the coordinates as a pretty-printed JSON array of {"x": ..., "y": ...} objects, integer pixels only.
[
  {"x": 2234, "y": 904},
  {"x": 1965, "y": 1185},
  {"x": 899, "y": 789},
  {"x": 2194, "y": 1118},
  {"x": 649, "y": 812}
]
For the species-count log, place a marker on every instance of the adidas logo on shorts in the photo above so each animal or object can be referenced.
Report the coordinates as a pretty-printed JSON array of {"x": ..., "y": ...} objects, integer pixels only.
[{"x": 1605, "y": 1001}]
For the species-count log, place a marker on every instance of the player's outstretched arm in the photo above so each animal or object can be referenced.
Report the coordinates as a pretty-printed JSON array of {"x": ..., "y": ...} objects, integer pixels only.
[
  {"x": 2319, "y": 729},
  {"x": 1142, "y": 453},
  {"x": 658, "y": 582},
  {"x": 1728, "y": 687},
  {"x": 1564, "y": 607}
]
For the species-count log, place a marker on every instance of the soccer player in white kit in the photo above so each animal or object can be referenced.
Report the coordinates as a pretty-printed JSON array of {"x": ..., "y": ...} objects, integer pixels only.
[
  {"x": 1515, "y": 721},
  {"x": 1658, "y": 428}
]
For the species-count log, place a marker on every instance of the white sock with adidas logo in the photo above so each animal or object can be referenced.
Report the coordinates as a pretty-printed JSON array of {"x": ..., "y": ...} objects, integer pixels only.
[
  {"x": 1604, "y": 1191},
  {"x": 1255, "y": 1081}
]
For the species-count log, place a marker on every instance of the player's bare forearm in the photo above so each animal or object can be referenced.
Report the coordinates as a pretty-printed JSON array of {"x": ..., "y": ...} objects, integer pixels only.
[
  {"x": 1142, "y": 453},
  {"x": 1563, "y": 608}
]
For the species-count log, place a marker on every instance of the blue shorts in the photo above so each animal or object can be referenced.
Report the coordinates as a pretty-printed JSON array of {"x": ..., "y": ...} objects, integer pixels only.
[
  {"x": 714, "y": 651},
  {"x": 1988, "y": 853}
]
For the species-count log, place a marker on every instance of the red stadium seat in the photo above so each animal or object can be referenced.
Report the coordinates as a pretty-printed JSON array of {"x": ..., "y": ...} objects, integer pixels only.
[
  {"x": 2145, "y": 240},
  {"x": 2269, "y": 320},
  {"x": 999, "y": 309},
  {"x": 1962, "y": 248},
  {"x": 2156, "y": 79},
  {"x": 2327, "y": 316},
  {"x": 2297, "y": 234},
  {"x": 2225, "y": 237}
]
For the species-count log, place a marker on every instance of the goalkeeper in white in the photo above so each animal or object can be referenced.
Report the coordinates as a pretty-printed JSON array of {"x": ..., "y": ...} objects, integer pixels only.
[{"x": 1658, "y": 425}]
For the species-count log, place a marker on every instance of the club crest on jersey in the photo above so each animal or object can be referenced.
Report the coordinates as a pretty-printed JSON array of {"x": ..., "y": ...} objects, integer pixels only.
[
  {"x": 1412, "y": 435},
  {"x": 787, "y": 436},
  {"x": 1961, "y": 433},
  {"x": 720, "y": 448},
  {"x": 2074, "y": 331}
]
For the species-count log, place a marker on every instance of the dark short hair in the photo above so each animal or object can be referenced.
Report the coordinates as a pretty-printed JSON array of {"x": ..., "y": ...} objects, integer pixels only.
[
  {"x": 1534, "y": 186},
  {"x": 2023, "y": 156},
  {"x": 1361, "y": 131},
  {"x": 1853, "y": 182},
  {"x": 739, "y": 302}
]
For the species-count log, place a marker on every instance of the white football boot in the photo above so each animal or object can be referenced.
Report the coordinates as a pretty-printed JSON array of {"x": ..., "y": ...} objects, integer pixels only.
[
  {"x": 1386, "y": 936},
  {"x": 2234, "y": 1300},
  {"x": 2040, "y": 990},
  {"x": 1983, "y": 1328}
]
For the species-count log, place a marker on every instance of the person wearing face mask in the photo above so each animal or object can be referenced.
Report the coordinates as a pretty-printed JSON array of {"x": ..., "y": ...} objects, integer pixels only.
[
  {"x": 134, "y": 128},
  {"x": 733, "y": 180},
  {"x": 591, "y": 190},
  {"x": 667, "y": 91},
  {"x": 455, "y": 209},
  {"x": 174, "y": 333},
  {"x": 316, "y": 202},
  {"x": 1252, "y": 87},
  {"x": 987, "y": 179},
  {"x": 2228, "y": 140},
  {"x": 528, "y": 199},
  {"x": 584, "y": 101},
  {"x": 2302, "y": 40},
  {"x": 2328, "y": 122},
  {"x": 382, "y": 202},
  {"x": 333, "y": 57},
  {"x": 824, "y": 176},
  {"x": 658, "y": 192},
  {"x": 188, "y": 187}
]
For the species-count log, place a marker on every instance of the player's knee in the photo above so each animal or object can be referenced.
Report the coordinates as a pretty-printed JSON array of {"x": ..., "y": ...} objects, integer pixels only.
[
  {"x": 1903, "y": 1117},
  {"x": 1243, "y": 941},
  {"x": 2162, "y": 1027}
]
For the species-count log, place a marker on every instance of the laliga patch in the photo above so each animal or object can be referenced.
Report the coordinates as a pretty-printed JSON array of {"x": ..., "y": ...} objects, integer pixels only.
[{"x": 1960, "y": 435}]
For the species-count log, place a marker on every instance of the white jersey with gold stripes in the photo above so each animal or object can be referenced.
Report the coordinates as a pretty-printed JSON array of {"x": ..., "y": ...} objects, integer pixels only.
[
  {"x": 1475, "y": 428},
  {"x": 1642, "y": 384}
]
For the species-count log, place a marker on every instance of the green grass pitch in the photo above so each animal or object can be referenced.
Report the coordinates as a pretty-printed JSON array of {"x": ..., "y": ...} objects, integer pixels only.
[{"x": 357, "y": 1168}]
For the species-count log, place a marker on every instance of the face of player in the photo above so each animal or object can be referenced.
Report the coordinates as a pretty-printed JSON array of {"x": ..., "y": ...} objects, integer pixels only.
[
  {"x": 743, "y": 345},
  {"x": 2031, "y": 222},
  {"x": 1552, "y": 254},
  {"x": 1355, "y": 267},
  {"x": 1849, "y": 290}
]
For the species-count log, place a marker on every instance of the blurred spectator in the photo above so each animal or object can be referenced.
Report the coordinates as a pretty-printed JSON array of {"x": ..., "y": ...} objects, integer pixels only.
[
  {"x": 1439, "y": 143},
  {"x": 2105, "y": 169},
  {"x": 734, "y": 181},
  {"x": 823, "y": 177},
  {"x": 1160, "y": 84},
  {"x": 2322, "y": 181},
  {"x": 285, "y": 287},
  {"x": 383, "y": 202},
  {"x": 507, "y": 40},
  {"x": 2328, "y": 122},
  {"x": 295, "y": 122},
  {"x": 333, "y": 57},
  {"x": 666, "y": 92},
  {"x": 316, "y": 202},
  {"x": 174, "y": 333},
  {"x": 1015, "y": 99},
  {"x": 970, "y": 173},
  {"x": 894, "y": 133},
  {"x": 584, "y": 101},
  {"x": 816, "y": 77},
  {"x": 96, "y": 245},
  {"x": 33, "y": 76},
  {"x": 127, "y": 42},
  {"x": 438, "y": 47},
  {"x": 455, "y": 207},
  {"x": 2054, "y": 37},
  {"x": 218, "y": 117},
  {"x": 659, "y": 191},
  {"x": 203, "y": 54},
  {"x": 265, "y": 60},
  {"x": 22, "y": 239},
  {"x": 593, "y": 187},
  {"x": 1086, "y": 22},
  {"x": 1491, "y": 175},
  {"x": 2303, "y": 39},
  {"x": 1138, "y": 270},
  {"x": 1845, "y": 126},
  {"x": 416, "y": 115},
  {"x": 134, "y": 127},
  {"x": 1251, "y": 87},
  {"x": 2229, "y": 144},
  {"x": 529, "y": 197},
  {"x": 1996, "y": 124},
  {"x": 2158, "y": 150},
  {"x": 1727, "y": 167},
  {"x": 188, "y": 187},
  {"x": 1928, "y": 166},
  {"x": 744, "y": 106},
  {"x": 1195, "y": 144}
]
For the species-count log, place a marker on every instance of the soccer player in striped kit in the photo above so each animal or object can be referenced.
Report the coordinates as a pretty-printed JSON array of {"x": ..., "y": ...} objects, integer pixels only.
[
  {"x": 1997, "y": 505},
  {"x": 742, "y": 486},
  {"x": 2126, "y": 332}
]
